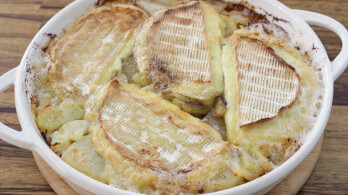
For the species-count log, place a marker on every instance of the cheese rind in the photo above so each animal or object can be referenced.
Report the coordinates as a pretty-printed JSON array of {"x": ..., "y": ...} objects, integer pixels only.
[
  {"x": 163, "y": 147},
  {"x": 178, "y": 52},
  {"x": 89, "y": 53},
  {"x": 266, "y": 83},
  {"x": 272, "y": 141}
]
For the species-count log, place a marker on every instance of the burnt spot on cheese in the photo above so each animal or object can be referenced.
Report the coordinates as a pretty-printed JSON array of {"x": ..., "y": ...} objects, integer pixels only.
[{"x": 253, "y": 16}]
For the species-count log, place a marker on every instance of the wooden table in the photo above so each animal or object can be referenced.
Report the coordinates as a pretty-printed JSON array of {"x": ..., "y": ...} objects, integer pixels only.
[{"x": 21, "y": 19}]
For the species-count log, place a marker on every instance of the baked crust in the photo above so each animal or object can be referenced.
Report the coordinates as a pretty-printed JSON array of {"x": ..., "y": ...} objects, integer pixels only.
[
  {"x": 178, "y": 52},
  {"x": 86, "y": 54},
  {"x": 266, "y": 83},
  {"x": 272, "y": 141},
  {"x": 146, "y": 142},
  {"x": 140, "y": 132}
]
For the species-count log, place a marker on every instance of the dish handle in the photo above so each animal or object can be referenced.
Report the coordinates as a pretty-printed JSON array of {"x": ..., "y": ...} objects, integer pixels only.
[
  {"x": 17, "y": 138},
  {"x": 339, "y": 64}
]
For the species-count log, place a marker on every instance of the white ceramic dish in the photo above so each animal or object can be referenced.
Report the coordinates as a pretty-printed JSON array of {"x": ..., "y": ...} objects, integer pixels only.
[{"x": 293, "y": 21}]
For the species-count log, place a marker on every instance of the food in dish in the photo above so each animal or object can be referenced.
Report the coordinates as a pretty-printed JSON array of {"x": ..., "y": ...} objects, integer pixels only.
[
  {"x": 174, "y": 96},
  {"x": 158, "y": 146},
  {"x": 266, "y": 83},
  {"x": 271, "y": 140},
  {"x": 86, "y": 54},
  {"x": 179, "y": 54}
]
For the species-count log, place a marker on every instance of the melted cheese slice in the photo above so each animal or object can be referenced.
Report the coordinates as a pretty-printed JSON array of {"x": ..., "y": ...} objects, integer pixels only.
[
  {"x": 148, "y": 133},
  {"x": 266, "y": 83},
  {"x": 178, "y": 51},
  {"x": 272, "y": 141},
  {"x": 157, "y": 143},
  {"x": 178, "y": 46},
  {"x": 91, "y": 50}
]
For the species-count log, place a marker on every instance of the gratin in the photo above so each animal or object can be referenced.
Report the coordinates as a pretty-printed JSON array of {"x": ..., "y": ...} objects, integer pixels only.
[{"x": 175, "y": 96}]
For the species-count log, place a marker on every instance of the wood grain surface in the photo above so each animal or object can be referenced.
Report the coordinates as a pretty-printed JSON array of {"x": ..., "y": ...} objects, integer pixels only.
[{"x": 21, "y": 19}]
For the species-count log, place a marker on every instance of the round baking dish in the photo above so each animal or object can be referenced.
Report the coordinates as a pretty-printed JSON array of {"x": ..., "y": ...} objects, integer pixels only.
[{"x": 295, "y": 22}]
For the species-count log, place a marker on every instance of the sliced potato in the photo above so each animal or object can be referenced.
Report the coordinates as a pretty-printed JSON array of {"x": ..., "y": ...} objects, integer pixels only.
[
  {"x": 82, "y": 156},
  {"x": 44, "y": 101},
  {"x": 52, "y": 117},
  {"x": 248, "y": 166},
  {"x": 70, "y": 132}
]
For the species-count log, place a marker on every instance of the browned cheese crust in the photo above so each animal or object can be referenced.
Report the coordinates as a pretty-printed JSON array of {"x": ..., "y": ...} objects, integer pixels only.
[
  {"x": 160, "y": 147},
  {"x": 266, "y": 82},
  {"x": 178, "y": 53},
  {"x": 153, "y": 133},
  {"x": 84, "y": 55},
  {"x": 183, "y": 55}
]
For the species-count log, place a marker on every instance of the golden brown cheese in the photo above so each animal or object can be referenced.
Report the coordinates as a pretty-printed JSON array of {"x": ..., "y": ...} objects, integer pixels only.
[
  {"x": 90, "y": 52},
  {"x": 141, "y": 133},
  {"x": 178, "y": 52},
  {"x": 266, "y": 83},
  {"x": 82, "y": 156},
  {"x": 270, "y": 141},
  {"x": 177, "y": 45}
]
